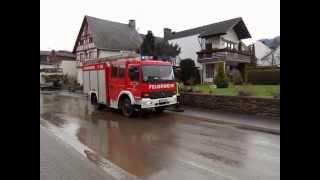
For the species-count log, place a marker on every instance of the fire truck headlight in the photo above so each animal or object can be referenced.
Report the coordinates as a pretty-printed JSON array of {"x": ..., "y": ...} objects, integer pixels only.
[{"x": 149, "y": 102}]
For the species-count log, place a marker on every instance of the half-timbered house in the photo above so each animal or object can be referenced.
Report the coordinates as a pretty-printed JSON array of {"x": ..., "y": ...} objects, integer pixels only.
[{"x": 99, "y": 38}]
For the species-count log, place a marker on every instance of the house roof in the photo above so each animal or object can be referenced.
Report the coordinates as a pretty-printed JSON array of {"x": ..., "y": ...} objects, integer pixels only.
[
  {"x": 214, "y": 29},
  {"x": 111, "y": 35}
]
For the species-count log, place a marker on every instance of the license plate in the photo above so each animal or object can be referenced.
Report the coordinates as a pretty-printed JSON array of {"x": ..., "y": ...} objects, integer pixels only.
[{"x": 163, "y": 100}]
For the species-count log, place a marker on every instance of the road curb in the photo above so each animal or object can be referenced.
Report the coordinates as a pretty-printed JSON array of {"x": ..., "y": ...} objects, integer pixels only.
[
  {"x": 245, "y": 126},
  {"x": 236, "y": 125},
  {"x": 260, "y": 129}
]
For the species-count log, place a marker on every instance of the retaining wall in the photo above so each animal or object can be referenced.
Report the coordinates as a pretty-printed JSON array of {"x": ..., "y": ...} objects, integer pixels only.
[{"x": 248, "y": 105}]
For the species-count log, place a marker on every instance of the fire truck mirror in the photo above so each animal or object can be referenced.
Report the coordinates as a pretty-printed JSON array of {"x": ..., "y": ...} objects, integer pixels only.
[{"x": 134, "y": 74}]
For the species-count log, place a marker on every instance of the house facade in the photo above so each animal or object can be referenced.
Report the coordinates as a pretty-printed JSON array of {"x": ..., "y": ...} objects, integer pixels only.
[
  {"x": 57, "y": 62},
  {"x": 99, "y": 38},
  {"x": 271, "y": 59},
  {"x": 212, "y": 44},
  {"x": 260, "y": 50}
]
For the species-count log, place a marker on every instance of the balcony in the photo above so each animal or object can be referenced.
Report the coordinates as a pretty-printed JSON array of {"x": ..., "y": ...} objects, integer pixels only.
[{"x": 225, "y": 54}]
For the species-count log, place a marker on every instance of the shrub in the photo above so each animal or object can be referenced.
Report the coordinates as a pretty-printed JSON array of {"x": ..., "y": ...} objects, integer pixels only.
[
  {"x": 191, "y": 81},
  {"x": 264, "y": 76},
  {"x": 177, "y": 74},
  {"x": 221, "y": 80},
  {"x": 189, "y": 73},
  {"x": 186, "y": 89},
  {"x": 236, "y": 77}
]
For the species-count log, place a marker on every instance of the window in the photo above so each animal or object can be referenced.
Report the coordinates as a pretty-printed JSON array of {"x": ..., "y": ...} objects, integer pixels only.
[
  {"x": 81, "y": 56},
  {"x": 208, "y": 45},
  {"x": 87, "y": 54},
  {"x": 225, "y": 44},
  {"x": 121, "y": 71},
  {"x": 81, "y": 42},
  {"x": 114, "y": 70},
  {"x": 90, "y": 40},
  {"x": 209, "y": 70},
  {"x": 91, "y": 55},
  {"x": 134, "y": 73},
  {"x": 157, "y": 73}
]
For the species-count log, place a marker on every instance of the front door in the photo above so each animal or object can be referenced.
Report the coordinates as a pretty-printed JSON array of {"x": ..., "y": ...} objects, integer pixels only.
[{"x": 209, "y": 73}]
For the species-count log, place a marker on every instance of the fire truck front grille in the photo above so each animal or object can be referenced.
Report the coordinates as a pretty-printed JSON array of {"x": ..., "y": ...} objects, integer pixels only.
[{"x": 161, "y": 94}]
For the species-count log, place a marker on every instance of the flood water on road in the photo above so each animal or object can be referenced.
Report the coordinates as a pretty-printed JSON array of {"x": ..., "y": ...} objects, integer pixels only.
[{"x": 165, "y": 146}]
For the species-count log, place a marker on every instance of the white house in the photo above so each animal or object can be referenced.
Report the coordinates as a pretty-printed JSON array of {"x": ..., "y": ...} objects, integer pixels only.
[
  {"x": 271, "y": 59},
  {"x": 57, "y": 62},
  {"x": 260, "y": 51},
  {"x": 211, "y": 44},
  {"x": 99, "y": 38}
]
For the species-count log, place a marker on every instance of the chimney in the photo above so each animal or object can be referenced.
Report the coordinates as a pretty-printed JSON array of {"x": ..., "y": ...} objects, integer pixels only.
[
  {"x": 166, "y": 32},
  {"x": 132, "y": 23}
]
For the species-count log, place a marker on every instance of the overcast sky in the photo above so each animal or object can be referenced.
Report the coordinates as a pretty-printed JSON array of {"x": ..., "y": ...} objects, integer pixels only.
[{"x": 60, "y": 20}]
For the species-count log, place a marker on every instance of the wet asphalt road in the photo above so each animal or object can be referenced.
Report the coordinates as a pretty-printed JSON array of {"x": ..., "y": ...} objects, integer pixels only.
[
  {"x": 160, "y": 146},
  {"x": 60, "y": 161}
]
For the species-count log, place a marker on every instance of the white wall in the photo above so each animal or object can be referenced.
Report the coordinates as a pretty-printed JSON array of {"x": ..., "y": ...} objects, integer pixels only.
[
  {"x": 277, "y": 56},
  {"x": 189, "y": 46},
  {"x": 69, "y": 67},
  {"x": 216, "y": 42},
  {"x": 261, "y": 49},
  {"x": 268, "y": 60},
  {"x": 103, "y": 53},
  {"x": 231, "y": 36},
  {"x": 44, "y": 66},
  {"x": 80, "y": 76}
]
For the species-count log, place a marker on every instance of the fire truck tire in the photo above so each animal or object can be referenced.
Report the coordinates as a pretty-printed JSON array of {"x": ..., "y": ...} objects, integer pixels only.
[
  {"x": 126, "y": 107},
  {"x": 159, "y": 109},
  {"x": 100, "y": 106},
  {"x": 94, "y": 99}
]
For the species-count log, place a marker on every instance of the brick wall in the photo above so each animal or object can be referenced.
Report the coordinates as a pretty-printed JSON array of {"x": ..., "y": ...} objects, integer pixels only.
[{"x": 248, "y": 105}]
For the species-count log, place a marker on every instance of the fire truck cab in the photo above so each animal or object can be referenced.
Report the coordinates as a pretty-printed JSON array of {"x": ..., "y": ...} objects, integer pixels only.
[{"x": 130, "y": 85}]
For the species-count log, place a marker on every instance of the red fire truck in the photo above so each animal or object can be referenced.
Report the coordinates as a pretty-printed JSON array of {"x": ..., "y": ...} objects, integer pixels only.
[{"x": 130, "y": 85}]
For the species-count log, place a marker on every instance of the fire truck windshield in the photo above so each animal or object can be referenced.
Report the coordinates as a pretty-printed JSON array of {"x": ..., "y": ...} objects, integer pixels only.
[{"x": 157, "y": 73}]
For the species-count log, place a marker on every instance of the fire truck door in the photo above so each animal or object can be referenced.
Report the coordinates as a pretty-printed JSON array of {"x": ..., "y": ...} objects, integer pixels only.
[
  {"x": 101, "y": 86},
  {"x": 134, "y": 73}
]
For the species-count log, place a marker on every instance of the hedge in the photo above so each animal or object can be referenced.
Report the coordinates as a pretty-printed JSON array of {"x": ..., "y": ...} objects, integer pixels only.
[{"x": 264, "y": 76}]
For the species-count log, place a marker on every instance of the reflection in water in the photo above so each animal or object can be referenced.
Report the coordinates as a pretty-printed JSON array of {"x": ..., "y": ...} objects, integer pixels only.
[
  {"x": 110, "y": 139},
  {"x": 164, "y": 146}
]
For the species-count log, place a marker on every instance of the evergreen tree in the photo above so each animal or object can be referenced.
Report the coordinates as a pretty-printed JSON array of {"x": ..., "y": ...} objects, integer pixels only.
[
  {"x": 222, "y": 80},
  {"x": 148, "y": 45},
  {"x": 164, "y": 49}
]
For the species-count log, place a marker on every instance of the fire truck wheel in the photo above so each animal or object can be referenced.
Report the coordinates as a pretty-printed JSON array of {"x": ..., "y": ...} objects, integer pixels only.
[
  {"x": 94, "y": 99},
  {"x": 126, "y": 107},
  {"x": 100, "y": 106},
  {"x": 159, "y": 109}
]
